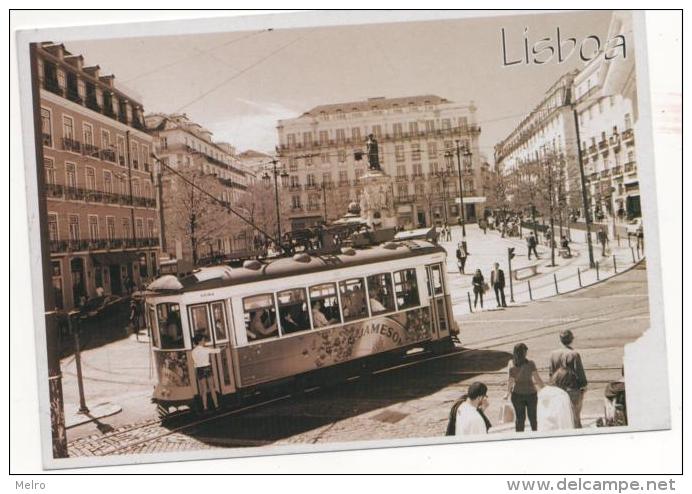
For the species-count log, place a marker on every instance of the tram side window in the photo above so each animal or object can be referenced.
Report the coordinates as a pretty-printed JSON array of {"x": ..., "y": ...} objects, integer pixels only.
[
  {"x": 200, "y": 321},
  {"x": 152, "y": 327},
  {"x": 293, "y": 310},
  {"x": 324, "y": 305},
  {"x": 170, "y": 326},
  {"x": 406, "y": 289},
  {"x": 218, "y": 319},
  {"x": 353, "y": 299},
  {"x": 381, "y": 294},
  {"x": 260, "y": 317},
  {"x": 436, "y": 280}
]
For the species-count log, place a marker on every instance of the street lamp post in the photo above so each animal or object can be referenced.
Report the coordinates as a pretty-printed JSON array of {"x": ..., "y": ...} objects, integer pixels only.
[
  {"x": 461, "y": 186},
  {"x": 276, "y": 172}
]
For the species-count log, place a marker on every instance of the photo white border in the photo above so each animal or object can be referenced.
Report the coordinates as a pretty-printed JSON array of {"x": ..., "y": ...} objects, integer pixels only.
[{"x": 646, "y": 174}]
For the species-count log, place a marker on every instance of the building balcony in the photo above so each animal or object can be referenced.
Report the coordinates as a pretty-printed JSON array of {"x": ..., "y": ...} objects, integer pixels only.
[
  {"x": 73, "y": 95},
  {"x": 313, "y": 207},
  {"x": 107, "y": 155},
  {"x": 603, "y": 145},
  {"x": 617, "y": 170},
  {"x": 71, "y": 145},
  {"x": 295, "y": 187},
  {"x": 614, "y": 141},
  {"x": 630, "y": 166},
  {"x": 343, "y": 183},
  {"x": 296, "y": 208},
  {"x": 402, "y": 178},
  {"x": 92, "y": 104},
  {"x": 311, "y": 186},
  {"x": 628, "y": 136},
  {"x": 53, "y": 86},
  {"x": 54, "y": 190},
  {"x": 47, "y": 139},
  {"x": 593, "y": 149},
  {"x": 86, "y": 245},
  {"x": 405, "y": 199},
  {"x": 91, "y": 150}
]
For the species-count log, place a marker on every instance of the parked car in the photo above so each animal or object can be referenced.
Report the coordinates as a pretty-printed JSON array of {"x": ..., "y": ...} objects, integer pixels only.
[{"x": 635, "y": 227}]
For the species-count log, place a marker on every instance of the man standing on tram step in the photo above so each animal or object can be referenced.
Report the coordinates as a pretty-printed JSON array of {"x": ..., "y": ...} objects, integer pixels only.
[
  {"x": 202, "y": 362},
  {"x": 531, "y": 242},
  {"x": 575, "y": 382},
  {"x": 497, "y": 280}
]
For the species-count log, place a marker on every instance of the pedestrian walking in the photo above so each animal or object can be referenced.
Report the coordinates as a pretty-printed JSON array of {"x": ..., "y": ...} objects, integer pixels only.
[
  {"x": 531, "y": 243},
  {"x": 448, "y": 230},
  {"x": 478, "y": 287},
  {"x": 603, "y": 238},
  {"x": 467, "y": 417},
  {"x": 201, "y": 360},
  {"x": 134, "y": 317},
  {"x": 574, "y": 382},
  {"x": 497, "y": 281},
  {"x": 484, "y": 226},
  {"x": 523, "y": 384},
  {"x": 564, "y": 244},
  {"x": 461, "y": 257}
]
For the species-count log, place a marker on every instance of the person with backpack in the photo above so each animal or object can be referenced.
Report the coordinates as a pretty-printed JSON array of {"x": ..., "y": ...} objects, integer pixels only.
[
  {"x": 467, "y": 416},
  {"x": 574, "y": 382}
]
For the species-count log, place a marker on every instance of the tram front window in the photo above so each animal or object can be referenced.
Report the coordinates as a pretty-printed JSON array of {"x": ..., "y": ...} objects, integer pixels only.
[
  {"x": 324, "y": 305},
  {"x": 219, "y": 321},
  {"x": 381, "y": 294},
  {"x": 353, "y": 299},
  {"x": 200, "y": 321},
  {"x": 260, "y": 317},
  {"x": 170, "y": 327},
  {"x": 152, "y": 326},
  {"x": 293, "y": 311},
  {"x": 406, "y": 289}
]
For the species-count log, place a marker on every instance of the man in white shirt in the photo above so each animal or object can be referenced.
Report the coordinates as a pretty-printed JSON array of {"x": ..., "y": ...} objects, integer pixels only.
[
  {"x": 469, "y": 421},
  {"x": 202, "y": 362}
]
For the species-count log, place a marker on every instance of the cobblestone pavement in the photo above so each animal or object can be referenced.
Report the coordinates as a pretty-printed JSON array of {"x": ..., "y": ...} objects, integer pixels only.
[{"x": 414, "y": 401}]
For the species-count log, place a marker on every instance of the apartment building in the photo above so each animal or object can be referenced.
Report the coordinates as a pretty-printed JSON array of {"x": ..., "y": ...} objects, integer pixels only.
[
  {"x": 187, "y": 147},
  {"x": 102, "y": 212},
  {"x": 417, "y": 139}
]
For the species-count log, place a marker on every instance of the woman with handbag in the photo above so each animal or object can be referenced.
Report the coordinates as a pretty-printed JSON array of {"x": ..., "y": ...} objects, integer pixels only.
[
  {"x": 523, "y": 384},
  {"x": 478, "y": 287}
]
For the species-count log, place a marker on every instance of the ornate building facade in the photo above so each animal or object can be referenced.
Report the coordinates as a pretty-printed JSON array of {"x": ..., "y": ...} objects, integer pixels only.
[{"x": 418, "y": 137}]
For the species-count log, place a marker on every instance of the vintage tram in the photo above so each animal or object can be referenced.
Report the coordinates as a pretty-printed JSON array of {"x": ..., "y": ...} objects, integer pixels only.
[{"x": 279, "y": 321}]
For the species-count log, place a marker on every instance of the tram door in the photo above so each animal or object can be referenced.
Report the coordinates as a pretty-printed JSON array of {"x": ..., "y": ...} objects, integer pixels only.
[
  {"x": 436, "y": 291},
  {"x": 212, "y": 319}
]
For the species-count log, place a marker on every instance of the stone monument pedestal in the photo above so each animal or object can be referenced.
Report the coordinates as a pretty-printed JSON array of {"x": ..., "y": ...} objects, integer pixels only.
[{"x": 377, "y": 200}]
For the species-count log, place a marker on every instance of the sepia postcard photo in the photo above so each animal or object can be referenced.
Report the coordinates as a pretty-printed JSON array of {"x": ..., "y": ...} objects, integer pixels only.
[{"x": 317, "y": 232}]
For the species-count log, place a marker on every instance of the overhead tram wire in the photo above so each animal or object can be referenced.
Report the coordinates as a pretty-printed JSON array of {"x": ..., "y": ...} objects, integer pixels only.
[
  {"x": 220, "y": 202},
  {"x": 238, "y": 74},
  {"x": 195, "y": 55}
]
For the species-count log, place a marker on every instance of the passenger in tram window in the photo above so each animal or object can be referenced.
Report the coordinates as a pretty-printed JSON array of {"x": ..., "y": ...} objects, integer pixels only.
[
  {"x": 293, "y": 311},
  {"x": 381, "y": 296},
  {"x": 353, "y": 299},
  {"x": 319, "y": 319},
  {"x": 406, "y": 288},
  {"x": 219, "y": 322},
  {"x": 262, "y": 325},
  {"x": 172, "y": 331}
]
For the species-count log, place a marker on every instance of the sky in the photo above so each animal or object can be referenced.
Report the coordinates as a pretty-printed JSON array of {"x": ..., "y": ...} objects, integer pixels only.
[{"x": 238, "y": 84}]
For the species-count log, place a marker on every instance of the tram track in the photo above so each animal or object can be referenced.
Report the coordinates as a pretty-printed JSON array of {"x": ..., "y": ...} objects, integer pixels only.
[{"x": 186, "y": 422}]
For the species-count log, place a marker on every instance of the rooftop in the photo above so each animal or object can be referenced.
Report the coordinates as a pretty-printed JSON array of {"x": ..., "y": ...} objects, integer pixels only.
[{"x": 377, "y": 103}]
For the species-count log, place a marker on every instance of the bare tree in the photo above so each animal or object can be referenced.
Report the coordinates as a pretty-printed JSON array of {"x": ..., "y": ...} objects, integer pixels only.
[{"x": 192, "y": 216}]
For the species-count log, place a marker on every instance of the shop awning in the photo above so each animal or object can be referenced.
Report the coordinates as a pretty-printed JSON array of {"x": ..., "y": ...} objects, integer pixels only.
[{"x": 108, "y": 258}]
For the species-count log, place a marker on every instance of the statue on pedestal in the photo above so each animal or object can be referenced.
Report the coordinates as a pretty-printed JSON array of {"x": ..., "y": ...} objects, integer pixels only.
[{"x": 373, "y": 153}]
